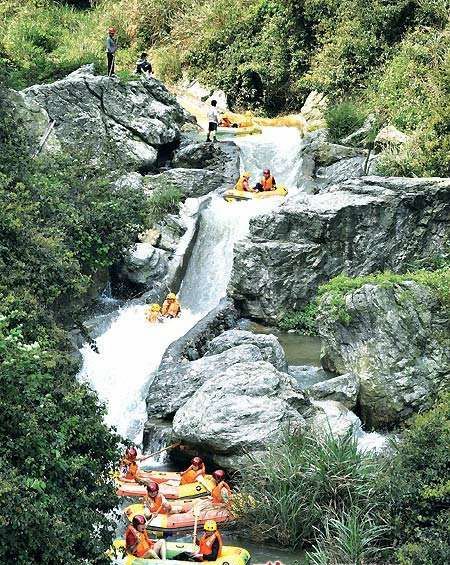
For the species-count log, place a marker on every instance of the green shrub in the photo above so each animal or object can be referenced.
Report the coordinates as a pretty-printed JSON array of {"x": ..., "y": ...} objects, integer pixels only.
[
  {"x": 164, "y": 200},
  {"x": 302, "y": 482},
  {"x": 343, "y": 119},
  {"x": 417, "y": 489},
  {"x": 302, "y": 320}
]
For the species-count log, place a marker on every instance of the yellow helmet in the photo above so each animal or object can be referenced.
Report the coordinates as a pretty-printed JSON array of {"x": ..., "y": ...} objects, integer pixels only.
[
  {"x": 155, "y": 307},
  {"x": 210, "y": 526},
  {"x": 246, "y": 175},
  {"x": 171, "y": 296}
]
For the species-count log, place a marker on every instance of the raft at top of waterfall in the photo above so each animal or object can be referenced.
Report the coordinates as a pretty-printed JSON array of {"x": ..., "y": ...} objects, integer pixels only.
[{"x": 267, "y": 187}]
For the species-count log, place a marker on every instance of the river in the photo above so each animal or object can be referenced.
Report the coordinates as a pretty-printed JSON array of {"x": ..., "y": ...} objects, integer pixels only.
[{"x": 130, "y": 349}]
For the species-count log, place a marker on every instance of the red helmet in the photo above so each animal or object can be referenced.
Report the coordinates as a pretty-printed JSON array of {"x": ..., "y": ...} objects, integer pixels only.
[
  {"x": 218, "y": 475},
  {"x": 152, "y": 488},
  {"x": 197, "y": 461},
  {"x": 138, "y": 520},
  {"x": 112, "y": 30},
  {"x": 132, "y": 453}
]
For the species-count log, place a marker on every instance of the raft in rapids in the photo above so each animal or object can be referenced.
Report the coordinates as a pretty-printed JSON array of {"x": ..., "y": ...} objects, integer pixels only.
[
  {"x": 233, "y": 195},
  {"x": 245, "y": 130},
  {"x": 229, "y": 556}
]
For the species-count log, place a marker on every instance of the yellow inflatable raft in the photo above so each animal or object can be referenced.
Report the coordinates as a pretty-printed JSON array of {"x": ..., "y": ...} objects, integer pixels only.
[
  {"x": 246, "y": 130},
  {"x": 229, "y": 555},
  {"x": 233, "y": 195},
  {"x": 183, "y": 521},
  {"x": 171, "y": 489}
]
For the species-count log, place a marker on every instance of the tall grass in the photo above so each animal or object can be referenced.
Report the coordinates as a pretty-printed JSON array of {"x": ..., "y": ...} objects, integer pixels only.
[
  {"x": 163, "y": 200},
  {"x": 296, "y": 489}
]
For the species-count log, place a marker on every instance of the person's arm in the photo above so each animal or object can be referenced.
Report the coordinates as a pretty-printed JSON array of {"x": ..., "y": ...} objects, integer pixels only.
[
  {"x": 131, "y": 541},
  {"x": 274, "y": 182}
]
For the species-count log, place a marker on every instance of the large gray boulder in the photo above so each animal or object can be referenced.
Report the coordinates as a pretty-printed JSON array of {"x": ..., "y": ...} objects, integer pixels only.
[
  {"x": 221, "y": 158},
  {"x": 174, "y": 384},
  {"x": 190, "y": 182},
  {"x": 357, "y": 227},
  {"x": 144, "y": 264},
  {"x": 121, "y": 124},
  {"x": 246, "y": 408},
  {"x": 343, "y": 389},
  {"x": 268, "y": 344},
  {"x": 396, "y": 341}
]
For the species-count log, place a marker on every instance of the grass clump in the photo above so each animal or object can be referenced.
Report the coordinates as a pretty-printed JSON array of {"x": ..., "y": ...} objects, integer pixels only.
[
  {"x": 302, "y": 482},
  {"x": 302, "y": 320},
  {"x": 343, "y": 119},
  {"x": 164, "y": 200}
]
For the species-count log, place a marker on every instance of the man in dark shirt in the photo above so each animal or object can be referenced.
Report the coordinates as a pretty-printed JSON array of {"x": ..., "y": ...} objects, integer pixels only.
[
  {"x": 111, "y": 48},
  {"x": 143, "y": 66}
]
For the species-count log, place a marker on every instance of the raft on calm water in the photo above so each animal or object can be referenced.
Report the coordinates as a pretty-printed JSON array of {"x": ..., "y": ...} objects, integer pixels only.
[
  {"x": 229, "y": 555},
  {"x": 233, "y": 195},
  {"x": 184, "y": 520},
  {"x": 171, "y": 488}
]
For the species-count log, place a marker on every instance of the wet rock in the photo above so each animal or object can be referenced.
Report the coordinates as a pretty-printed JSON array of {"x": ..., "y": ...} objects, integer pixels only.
[
  {"x": 397, "y": 342},
  {"x": 247, "y": 407},
  {"x": 121, "y": 124},
  {"x": 190, "y": 182},
  {"x": 306, "y": 375},
  {"x": 174, "y": 384},
  {"x": 222, "y": 158},
  {"x": 358, "y": 227},
  {"x": 343, "y": 389},
  {"x": 268, "y": 344},
  {"x": 144, "y": 264}
]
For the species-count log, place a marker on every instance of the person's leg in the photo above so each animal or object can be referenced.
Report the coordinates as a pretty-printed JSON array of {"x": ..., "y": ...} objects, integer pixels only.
[
  {"x": 109, "y": 57},
  {"x": 208, "y": 137},
  {"x": 160, "y": 548},
  {"x": 214, "y": 133}
]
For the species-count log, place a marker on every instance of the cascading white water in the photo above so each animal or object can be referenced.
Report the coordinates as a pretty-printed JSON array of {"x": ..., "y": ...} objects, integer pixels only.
[
  {"x": 276, "y": 148},
  {"x": 131, "y": 349}
]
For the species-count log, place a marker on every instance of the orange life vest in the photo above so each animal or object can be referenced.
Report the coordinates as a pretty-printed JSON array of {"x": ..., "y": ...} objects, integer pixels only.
[
  {"x": 206, "y": 543},
  {"x": 216, "y": 492},
  {"x": 268, "y": 183},
  {"x": 144, "y": 543},
  {"x": 132, "y": 470},
  {"x": 172, "y": 308},
  {"x": 157, "y": 504},
  {"x": 191, "y": 475}
]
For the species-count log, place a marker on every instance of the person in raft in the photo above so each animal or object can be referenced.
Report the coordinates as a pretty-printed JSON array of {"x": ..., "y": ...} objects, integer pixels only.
[
  {"x": 153, "y": 314},
  {"x": 210, "y": 544},
  {"x": 221, "y": 493},
  {"x": 143, "y": 66},
  {"x": 267, "y": 182},
  {"x": 155, "y": 503},
  {"x": 213, "y": 121},
  {"x": 194, "y": 472},
  {"x": 129, "y": 464},
  {"x": 111, "y": 48},
  {"x": 243, "y": 184},
  {"x": 171, "y": 307},
  {"x": 139, "y": 544}
]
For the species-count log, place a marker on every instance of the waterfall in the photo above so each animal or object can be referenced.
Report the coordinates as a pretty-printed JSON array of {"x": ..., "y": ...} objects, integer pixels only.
[{"x": 131, "y": 349}]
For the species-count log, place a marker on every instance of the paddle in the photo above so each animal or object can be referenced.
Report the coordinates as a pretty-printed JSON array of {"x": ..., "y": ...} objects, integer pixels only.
[
  {"x": 196, "y": 512},
  {"x": 160, "y": 451}
]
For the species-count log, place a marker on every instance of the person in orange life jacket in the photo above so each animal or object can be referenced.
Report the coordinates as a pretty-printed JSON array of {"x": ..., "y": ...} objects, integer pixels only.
[
  {"x": 138, "y": 543},
  {"x": 267, "y": 182},
  {"x": 221, "y": 493},
  {"x": 193, "y": 472},
  {"x": 155, "y": 503},
  {"x": 129, "y": 464},
  {"x": 210, "y": 544}
]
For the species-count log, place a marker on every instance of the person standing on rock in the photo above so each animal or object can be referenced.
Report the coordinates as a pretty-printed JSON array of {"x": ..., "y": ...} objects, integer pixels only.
[
  {"x": 111, "y": 48},
  {"x": 213, "y": 121}
]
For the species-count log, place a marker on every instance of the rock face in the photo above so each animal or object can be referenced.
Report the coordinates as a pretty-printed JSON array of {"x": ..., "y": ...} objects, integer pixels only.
[
  {"x": 397, "y": 343},
  {"x": 221, "y": 158},
  {"x": 145, "y": 264},
  {"x": 248, "y": 406},
  {"x": 356, "y": 227},
  {"x": 117, "y": 123},
  {"x": 343, "y": 389},
  {"x": 191, "y": 182},
  {"x": 268, "y": 345},
  {"x": 390, "y": 136}
]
